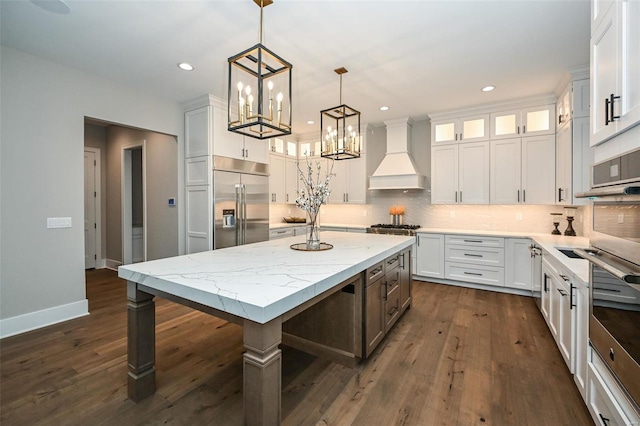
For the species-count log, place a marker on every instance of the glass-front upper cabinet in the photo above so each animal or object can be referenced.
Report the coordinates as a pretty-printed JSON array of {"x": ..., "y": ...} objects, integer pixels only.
[
  {"x": 310, "y": 148},
  {"x": 524, "y": 122},
  {"x": 466, "y": 129}
]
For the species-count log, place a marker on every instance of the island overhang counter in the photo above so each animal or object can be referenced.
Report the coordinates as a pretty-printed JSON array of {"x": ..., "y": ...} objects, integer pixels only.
[{"x": 258, "y": 286}]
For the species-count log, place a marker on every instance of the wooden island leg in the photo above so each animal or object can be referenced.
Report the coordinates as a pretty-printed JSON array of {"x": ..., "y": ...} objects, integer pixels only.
[
  {"x": 262, "y": 372},
  {"x": 141, "y": 343}
]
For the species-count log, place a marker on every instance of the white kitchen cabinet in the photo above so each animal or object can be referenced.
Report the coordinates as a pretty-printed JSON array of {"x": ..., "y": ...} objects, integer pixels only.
[
  {"x": 283, "y": 178},
  {"x": 349, "y": 185},
  {"x": 198, "y": 214},
  {"x": 615, "y": 67},
  {"x": 606, "y": 401},
  {"x": 573, "y": 162},
  {"x": 598, "y": 10},
  {"x": 523, "y": 170},
  {"x": 565, "y": 320},
  {"x": 538, "y": 170},
  {"x": 523, "y": 122},
  {"x": 467, "y": 129},
  {"x": 474, "y": 259},
  {"x": 460, "y": 173},
  {"x": 545, "y": 303},
  {"x": 198, "y": 132},
  {"x": 277, "y": 178},
  {"x": 430, "y": 255},
  {"x": 234, "y": 145},
  {"x": 291, "y": 180},
  {"x": 518, "y": 263},
  {"x": 580, "y": 294}
]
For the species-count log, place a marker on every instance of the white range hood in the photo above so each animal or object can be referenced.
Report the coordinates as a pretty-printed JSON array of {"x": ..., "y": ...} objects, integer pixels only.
[{"x": 397, "y": 169}]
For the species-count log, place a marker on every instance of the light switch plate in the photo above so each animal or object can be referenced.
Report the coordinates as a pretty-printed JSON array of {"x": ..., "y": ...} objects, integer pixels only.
[{"x": 58, "y": 222}]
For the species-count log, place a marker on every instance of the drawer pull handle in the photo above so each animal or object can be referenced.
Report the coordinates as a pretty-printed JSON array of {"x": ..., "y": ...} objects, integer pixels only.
[
  {"x": 473, "y": 255},
  {"x": 611, "y": 290},
  {"x": 605, "y": 421},
  {"x": 473, "y": 273},
  {"x": 472, "y": 241},
  {"x": 562, "y": 292}
]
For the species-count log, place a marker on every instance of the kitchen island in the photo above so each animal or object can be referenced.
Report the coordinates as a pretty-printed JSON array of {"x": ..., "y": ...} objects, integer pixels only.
[{"x": 259, "y": 286}]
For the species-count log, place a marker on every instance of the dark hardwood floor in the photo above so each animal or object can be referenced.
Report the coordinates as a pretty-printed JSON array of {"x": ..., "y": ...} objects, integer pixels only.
[{"x": 457, "y": 357}]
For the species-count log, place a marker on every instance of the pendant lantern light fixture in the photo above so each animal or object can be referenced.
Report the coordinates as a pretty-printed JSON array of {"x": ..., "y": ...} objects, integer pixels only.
[
  {"x": 340, "y": 129},
  {"x": 259, "y": 93}
]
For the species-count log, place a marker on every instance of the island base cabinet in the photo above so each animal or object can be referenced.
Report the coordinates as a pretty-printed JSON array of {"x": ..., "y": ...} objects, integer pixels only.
[
  {"x": 405, "y": 279},
  {"x": 374, "y": 315}
]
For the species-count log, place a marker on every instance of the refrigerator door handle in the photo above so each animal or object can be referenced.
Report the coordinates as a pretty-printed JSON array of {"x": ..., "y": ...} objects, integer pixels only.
[
  {"x": 244, "y": 213},
  {"x": 239, "y": 216}
]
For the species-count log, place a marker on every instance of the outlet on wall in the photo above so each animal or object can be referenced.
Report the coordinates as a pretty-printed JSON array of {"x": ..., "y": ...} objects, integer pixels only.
[
  {"x": 452, "y": 214},
  {"x": 518, "y": 216}
]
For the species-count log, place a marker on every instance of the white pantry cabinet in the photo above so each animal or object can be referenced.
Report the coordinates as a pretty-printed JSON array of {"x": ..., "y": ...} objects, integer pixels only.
[
  {"x": 430, "y": 255},
  {"x": 460, "y": 173},
  {"x": 467, "y": 129},
  {"x": 615, "y": 68},
  {"x": 523, "y": 170},
  {"x": 523, "y": 122}
]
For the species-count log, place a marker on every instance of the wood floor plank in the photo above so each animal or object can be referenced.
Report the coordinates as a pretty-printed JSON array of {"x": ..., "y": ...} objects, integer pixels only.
[{"x": 458, "y": 357}]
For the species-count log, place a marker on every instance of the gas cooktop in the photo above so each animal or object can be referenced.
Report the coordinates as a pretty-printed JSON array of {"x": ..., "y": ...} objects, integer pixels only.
[
  {"x": 385, "y": 228},
  {"x": 390, "y": 226}
]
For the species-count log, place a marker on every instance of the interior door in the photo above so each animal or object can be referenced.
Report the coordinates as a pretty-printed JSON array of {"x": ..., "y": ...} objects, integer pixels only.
[{"x": 89, "y": 209}]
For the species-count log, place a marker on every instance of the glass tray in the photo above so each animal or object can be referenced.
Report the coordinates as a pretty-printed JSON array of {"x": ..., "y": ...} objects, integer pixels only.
[{"x": 303, "y": 247}]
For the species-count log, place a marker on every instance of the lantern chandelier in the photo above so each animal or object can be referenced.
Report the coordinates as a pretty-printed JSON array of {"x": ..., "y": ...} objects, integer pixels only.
[
  {"x": 340, "y": 129},
  {"x": 254, "y": 76}
]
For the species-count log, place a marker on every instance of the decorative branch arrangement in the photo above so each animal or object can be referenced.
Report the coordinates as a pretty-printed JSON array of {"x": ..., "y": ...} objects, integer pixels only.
[{"x": 314, "y": 193}]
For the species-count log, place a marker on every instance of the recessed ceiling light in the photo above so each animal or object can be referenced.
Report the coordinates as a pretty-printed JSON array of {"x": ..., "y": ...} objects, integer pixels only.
[
  {"x": 54, "y": 6},
  {"x": 310, "y": 122},
  {"x": 384, "y": 108},
  {"x": 185, "y": 66},
  {"x": 488, "y": 88}
]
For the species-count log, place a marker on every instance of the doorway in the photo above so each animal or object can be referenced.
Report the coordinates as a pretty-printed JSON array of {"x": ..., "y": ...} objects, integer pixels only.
[{"x": 134, "y": 206}]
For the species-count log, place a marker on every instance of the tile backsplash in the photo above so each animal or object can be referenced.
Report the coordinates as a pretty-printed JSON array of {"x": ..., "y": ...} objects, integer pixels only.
[{"x": 420, "y": 211}]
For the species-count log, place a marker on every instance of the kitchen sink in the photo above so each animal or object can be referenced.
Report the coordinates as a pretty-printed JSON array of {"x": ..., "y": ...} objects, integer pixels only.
[{"x": 569, "y": 253}]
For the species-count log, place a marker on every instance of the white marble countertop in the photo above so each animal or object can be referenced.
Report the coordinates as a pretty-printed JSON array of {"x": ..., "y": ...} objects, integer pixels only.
[
  {"x": 264, "y": 280},
  {"x": 280, "y": 225},
  {"x": 549, "y": 243}
]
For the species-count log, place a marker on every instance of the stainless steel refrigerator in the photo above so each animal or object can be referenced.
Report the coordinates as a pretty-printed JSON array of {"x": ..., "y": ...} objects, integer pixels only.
[{"x": 240, "y": 202}]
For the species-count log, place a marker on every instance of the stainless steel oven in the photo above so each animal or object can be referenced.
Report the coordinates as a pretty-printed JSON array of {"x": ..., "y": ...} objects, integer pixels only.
[{"x": 614, "y": 256}]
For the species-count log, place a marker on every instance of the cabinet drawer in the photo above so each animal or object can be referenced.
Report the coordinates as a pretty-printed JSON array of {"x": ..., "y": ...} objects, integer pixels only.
[
  {"x": 375, "y": 272},
  {"x": 475, "y": 255},
  {"x": 392, "y": 308},
  {"x": 602, "y": 403},
  {"x": 474, "y": 240},
  {"x": 392, "y": 262},
  {"x": 274, "y": 234},
  {"x": 474, "y": 274}
]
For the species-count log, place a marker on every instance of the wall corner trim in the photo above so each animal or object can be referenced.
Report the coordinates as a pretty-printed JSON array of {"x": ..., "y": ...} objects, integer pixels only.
[{"x": 38, "y": 319}]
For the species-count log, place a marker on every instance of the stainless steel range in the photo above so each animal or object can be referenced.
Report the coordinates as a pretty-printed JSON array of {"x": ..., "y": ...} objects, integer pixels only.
[{"x": 385, "y": 228}]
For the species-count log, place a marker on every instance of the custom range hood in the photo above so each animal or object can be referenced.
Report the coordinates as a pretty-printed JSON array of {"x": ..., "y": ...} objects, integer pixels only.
[{"x": 397, "y": 169}]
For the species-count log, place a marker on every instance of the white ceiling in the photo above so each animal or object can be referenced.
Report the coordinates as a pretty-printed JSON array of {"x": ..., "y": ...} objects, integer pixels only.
[{"x": 417, "y": 57}]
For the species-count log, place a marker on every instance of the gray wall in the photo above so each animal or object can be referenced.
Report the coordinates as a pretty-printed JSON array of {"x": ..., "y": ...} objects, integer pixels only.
[
  {"x": 162, "y": 183},
  {"x": 44, "y": 105}
]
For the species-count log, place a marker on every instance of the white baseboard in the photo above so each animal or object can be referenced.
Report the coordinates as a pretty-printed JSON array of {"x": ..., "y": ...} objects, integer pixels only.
[
  {"x": 34, "y": 320},
  {"x": 101, "y": 263},
  {"x": 112, "y": 264}
]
